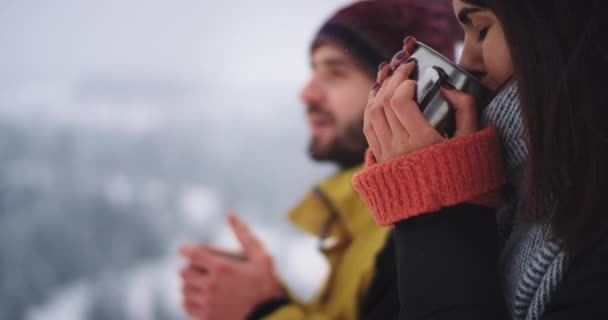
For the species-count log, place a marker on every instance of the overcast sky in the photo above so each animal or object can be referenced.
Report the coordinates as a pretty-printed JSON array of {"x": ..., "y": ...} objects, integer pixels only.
[{"x": 188, "y": 38}]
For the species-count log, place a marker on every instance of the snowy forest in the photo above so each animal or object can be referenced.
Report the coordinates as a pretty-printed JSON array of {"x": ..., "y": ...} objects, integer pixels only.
[{"x": 130, "y": 127}]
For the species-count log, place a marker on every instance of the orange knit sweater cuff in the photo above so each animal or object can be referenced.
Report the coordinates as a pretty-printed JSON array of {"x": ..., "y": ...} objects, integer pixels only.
[{"x": 466, "y": 169}]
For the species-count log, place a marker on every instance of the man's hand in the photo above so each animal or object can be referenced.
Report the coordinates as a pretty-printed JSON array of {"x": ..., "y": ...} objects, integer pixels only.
[{"x": 218, "y": 287}]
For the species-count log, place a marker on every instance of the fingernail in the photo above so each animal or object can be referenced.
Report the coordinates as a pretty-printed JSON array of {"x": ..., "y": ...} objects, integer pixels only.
[
  {"x": 447, "y": 85},
  {"x": 410, "y": 60},
  {"x": 399, "y": 55},
  {"x": 381, "y": 65},
  {"x": 375, "y": 86},
  {"x": 409, "y": 40},
  {"x": 414, "y": 74},
  {"x": 444, "y": 79},
  {"x": 442, "y": 74}
]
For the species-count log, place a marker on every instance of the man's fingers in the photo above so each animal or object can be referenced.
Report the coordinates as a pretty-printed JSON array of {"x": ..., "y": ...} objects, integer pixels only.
[
  {"x": 465, "y": 109},
  {"x": 193, "y": 295},
  {"x": 193, "y": 310},
  {"x": 232, "y": 255},
  {"x": 250, "y": 242},
  {"x": 194, "y": 278},
  {"x": 187, "y": 250},
  {"x": 200, "y": 257},
  {"x": 192, "y": 290}
]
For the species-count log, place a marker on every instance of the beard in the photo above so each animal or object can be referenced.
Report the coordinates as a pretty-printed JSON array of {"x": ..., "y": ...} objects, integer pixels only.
[{"x": 346, "y": 150}]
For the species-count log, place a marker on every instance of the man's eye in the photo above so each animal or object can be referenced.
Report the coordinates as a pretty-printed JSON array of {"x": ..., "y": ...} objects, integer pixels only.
[
  {"x": 483, "y": 33},
  {"x": 336, "y": 73}
]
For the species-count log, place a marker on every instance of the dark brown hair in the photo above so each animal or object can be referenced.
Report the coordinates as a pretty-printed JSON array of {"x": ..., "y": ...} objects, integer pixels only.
[{"x": 560, "y": 57}]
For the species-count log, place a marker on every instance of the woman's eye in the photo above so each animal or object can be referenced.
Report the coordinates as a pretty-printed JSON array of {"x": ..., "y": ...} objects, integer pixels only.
[{"x": 483, "y": 33}]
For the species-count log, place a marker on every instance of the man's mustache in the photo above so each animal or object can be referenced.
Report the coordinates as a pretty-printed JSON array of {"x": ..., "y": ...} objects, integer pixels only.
[{"x": 320, "y": 111}]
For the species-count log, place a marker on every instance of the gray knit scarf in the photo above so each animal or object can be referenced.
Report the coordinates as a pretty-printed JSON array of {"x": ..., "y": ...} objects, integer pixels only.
[{"x": 532, "y": 265}]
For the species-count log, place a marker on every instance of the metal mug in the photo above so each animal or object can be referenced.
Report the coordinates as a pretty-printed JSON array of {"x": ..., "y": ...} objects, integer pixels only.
[{"x": 432, "y": 69}]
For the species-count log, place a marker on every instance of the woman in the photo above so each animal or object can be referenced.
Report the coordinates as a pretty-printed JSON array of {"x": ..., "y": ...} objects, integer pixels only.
[{"x": 461, "y": 252}]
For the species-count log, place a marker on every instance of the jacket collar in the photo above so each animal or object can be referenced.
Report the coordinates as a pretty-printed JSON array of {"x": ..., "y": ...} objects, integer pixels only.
[{"x": 333, "y": 196}]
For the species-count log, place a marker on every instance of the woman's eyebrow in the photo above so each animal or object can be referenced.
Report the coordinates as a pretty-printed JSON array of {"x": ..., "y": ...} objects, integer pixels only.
[{"x": 463, "y": 15}]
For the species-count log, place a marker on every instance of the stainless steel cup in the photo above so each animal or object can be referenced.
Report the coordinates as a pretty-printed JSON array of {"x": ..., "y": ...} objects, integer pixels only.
[{"x": 435, "y": 109}]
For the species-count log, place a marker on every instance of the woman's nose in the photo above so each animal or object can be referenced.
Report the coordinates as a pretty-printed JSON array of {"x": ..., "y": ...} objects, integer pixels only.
[{"x": 471, "y": 58}]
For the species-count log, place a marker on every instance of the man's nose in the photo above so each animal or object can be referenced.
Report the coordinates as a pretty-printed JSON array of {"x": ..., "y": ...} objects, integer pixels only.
[{"x": 312, "y": 92}]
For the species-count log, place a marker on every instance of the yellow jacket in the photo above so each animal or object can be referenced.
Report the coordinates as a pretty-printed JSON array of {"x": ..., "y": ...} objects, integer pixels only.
[{"x": 352, "y": 242}]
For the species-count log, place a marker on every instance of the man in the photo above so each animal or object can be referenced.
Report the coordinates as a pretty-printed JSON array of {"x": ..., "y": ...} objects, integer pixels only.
[{"x": 345, "y": 55}]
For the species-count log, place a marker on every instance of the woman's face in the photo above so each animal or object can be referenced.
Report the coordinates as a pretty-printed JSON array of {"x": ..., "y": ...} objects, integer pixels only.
[{"x": 485, "y": 53}]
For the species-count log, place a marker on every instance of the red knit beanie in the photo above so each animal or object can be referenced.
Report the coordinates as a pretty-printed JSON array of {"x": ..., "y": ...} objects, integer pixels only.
[{"x": 372, "y": 31}]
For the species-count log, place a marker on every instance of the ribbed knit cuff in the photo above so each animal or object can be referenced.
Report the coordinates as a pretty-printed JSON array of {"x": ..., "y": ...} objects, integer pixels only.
[{"x": 466, "y": 169}]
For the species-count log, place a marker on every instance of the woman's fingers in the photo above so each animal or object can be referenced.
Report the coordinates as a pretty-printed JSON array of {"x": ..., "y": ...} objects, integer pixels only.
[
  {"x": 465, "y": 110},
  {"x": 370, "y": 134},
  {"x": 421, "y": 132},
  {"x": 401, "y": 74},
  {"x": 405, "y": 107},
  {"x": 380, "y": 126},
  {"x": 409, "y": 44},
  {"x": 398, "y": 59},
  {"x": 376, "y": 91},
  {"x": 398, "y": 132},
  {"x": 383, "y": 124},
  {"x": 387, "y": 91},
  {"x": 384, "y": 70},
  {"x": 394, "y": 124}
]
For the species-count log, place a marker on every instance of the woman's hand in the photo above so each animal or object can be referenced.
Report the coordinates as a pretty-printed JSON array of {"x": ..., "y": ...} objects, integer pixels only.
[{"x": 394, "y": 125}]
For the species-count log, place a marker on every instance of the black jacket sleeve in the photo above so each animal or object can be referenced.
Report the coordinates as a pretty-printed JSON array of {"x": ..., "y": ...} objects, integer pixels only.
[
  {"x": 447, "y": 265},
  {"x": 382, "y": 300}
]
